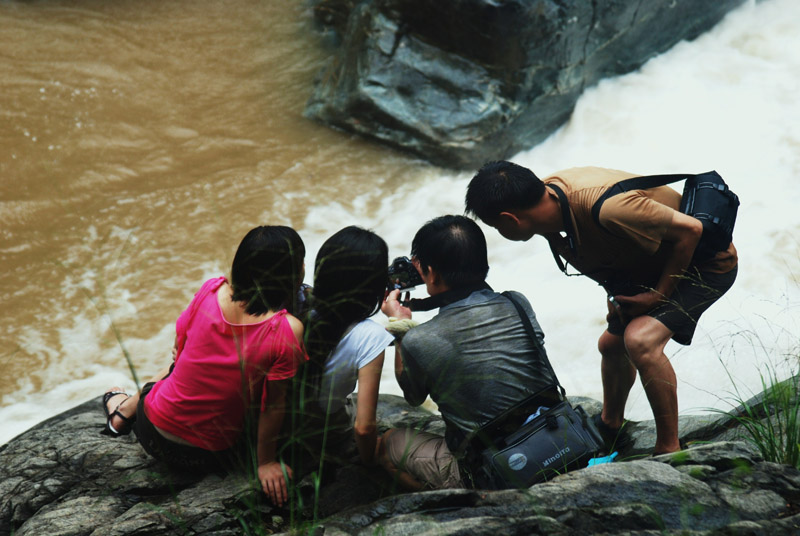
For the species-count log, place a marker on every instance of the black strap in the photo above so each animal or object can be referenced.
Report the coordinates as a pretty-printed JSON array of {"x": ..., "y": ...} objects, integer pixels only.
[
  {"x": 566, "y": 216},
  {"x": 569, "y": 229},
  {"x": 445, "y": 298},
  {"x": 526, "y": 323},
  {"x": 557, "y": 257},
  {"x": 483, "y": 434},
  {"x": 634, "y": 183}
]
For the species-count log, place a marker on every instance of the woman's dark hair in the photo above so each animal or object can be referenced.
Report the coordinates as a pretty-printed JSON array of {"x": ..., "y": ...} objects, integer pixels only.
[
  {"x": 267, "y": 268},
  {"x": 350, "y": 276},
  {"x": 455, "y": 247}
]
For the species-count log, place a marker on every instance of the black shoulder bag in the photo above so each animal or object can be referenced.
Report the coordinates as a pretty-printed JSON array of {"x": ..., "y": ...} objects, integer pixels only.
[
  {"x": 705, "y": 197},
  {"x": 540, "y": 437}
]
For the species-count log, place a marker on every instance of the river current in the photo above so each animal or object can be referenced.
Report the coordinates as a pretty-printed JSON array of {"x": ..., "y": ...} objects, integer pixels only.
[{"x": 141, "y": 140}]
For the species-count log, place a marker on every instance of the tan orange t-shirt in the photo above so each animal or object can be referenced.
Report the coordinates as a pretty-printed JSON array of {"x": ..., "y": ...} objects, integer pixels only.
[{"x": 628, "y": 246}]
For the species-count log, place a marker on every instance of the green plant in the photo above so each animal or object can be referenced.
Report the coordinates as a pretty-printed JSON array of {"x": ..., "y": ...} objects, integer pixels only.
[
  {"x": 679, "y": 458},
  {"x": 772, "y": 424},
  {"x": 770, "y": 420}
]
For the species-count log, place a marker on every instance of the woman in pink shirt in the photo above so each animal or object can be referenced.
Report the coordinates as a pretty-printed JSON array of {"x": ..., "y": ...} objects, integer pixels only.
[{"x": 236, "y": 348}]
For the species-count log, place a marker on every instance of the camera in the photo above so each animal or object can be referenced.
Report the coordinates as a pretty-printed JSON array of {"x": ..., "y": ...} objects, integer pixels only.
[{"x": 402, "y": 274}]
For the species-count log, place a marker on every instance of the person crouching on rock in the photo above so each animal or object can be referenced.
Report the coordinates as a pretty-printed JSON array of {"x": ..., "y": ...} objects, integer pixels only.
[
  {"x": 236, "y": 346},
  {"x": 474, "y": 359},
  {"x": 641, "y": 248}
]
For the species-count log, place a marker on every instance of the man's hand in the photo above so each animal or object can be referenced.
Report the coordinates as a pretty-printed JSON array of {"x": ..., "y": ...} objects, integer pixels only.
[
  {"x": 615, "y": 310},
  {"x": 393, "y": 308},
  {"x": 638, "y": 304},
  {"x": 270, "y": 475}
]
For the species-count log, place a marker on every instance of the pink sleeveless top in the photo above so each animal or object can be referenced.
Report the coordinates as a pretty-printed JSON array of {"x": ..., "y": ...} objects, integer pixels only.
[{"x": 220, "y": 371}]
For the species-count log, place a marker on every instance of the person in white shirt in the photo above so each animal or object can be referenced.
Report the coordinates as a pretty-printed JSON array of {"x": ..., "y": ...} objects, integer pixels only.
[{"x": 344, "y": 344}]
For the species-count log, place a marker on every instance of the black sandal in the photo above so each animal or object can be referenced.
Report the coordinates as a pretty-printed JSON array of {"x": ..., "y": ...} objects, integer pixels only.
[{"x": 109, "y": 429}]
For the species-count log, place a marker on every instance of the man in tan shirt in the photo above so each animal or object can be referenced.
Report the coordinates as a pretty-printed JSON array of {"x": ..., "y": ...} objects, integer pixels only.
[{"x": 642, "y": 253}]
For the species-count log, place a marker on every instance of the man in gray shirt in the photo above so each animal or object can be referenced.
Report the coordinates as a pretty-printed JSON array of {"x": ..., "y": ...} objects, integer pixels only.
[{"x": 474, "y": 359}]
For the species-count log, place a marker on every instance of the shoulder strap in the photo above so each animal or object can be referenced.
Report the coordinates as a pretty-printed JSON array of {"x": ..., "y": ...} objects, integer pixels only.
[
  {"x": 634, "y": 183},
  {"x": 526, "y": 323},
  {"x": 569, "y": 229},
  {"x": 446, "y": 298},
  {"x": 483, "y": 436},
  {"x": 565, "y": 215}
]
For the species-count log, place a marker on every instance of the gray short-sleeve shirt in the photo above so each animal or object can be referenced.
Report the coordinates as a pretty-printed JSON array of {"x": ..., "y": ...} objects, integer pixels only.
[{"x": 474, "y": 359}]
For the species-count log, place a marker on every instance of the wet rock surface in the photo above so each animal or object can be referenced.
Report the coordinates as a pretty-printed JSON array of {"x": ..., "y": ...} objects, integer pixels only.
[
  {"x": 62, "y": 477},
  {"x": 462, "y": 82}
]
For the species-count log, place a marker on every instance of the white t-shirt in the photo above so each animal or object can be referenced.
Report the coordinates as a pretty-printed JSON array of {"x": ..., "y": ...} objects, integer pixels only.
[{"x": 359, "y": 347}]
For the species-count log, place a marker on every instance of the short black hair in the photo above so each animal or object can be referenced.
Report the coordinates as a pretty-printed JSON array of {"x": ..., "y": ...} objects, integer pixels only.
[
  {"x": 455, "y": 247},
  {"x": 501, "y": 186},
  {"x": 267, "y": 268}
]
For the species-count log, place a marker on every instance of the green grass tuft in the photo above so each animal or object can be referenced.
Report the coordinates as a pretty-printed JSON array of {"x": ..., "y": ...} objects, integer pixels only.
[{"x": 772, "y": 424}]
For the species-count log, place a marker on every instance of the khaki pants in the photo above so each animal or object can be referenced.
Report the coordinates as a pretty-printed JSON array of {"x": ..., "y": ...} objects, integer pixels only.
[{"x": 424, "y": 456}]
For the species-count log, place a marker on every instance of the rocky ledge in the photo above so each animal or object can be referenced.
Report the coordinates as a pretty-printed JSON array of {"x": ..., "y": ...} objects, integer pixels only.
[
  {"x": 461, "y": 82},
  {"x": 63, "y": 478}
]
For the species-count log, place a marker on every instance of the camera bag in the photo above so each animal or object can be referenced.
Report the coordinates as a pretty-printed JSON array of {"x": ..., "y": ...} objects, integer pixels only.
[
  {"x": 530, "y": 442},
  {"x": 559, "y": 439},
  {"x": 705, "y": 197}
]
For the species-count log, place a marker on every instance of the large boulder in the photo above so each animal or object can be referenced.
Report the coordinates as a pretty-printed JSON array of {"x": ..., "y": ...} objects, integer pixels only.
[
  {"x": 665, "y": 495},
  {"x": 460, "y": 82},
  {"x": 63, "y": 478}
]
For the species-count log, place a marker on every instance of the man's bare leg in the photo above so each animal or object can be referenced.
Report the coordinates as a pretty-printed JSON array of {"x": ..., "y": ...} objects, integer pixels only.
[
  {"x": 645, "y": 339},
  {"x": 619, "y": 375}
]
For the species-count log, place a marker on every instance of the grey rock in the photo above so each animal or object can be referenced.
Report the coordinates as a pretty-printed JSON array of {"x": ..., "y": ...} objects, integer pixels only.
[
  {"x": 460, "y": 82},
  {"x": 654, "y": 496},
  {"x": 673, "y": 496},
  {"x": 789, "y": 526},
  {"x": 61, "y": 477},
  {"x": 59, "y": 519}
]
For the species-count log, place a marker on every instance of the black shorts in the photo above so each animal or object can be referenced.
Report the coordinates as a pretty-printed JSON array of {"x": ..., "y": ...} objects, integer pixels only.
[
  {"x": 695, "y": 293},
  {"x": 177, "y": 456}
]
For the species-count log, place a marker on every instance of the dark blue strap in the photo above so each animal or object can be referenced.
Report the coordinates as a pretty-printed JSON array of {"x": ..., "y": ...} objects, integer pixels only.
[{"x": 634, "y": 183}]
